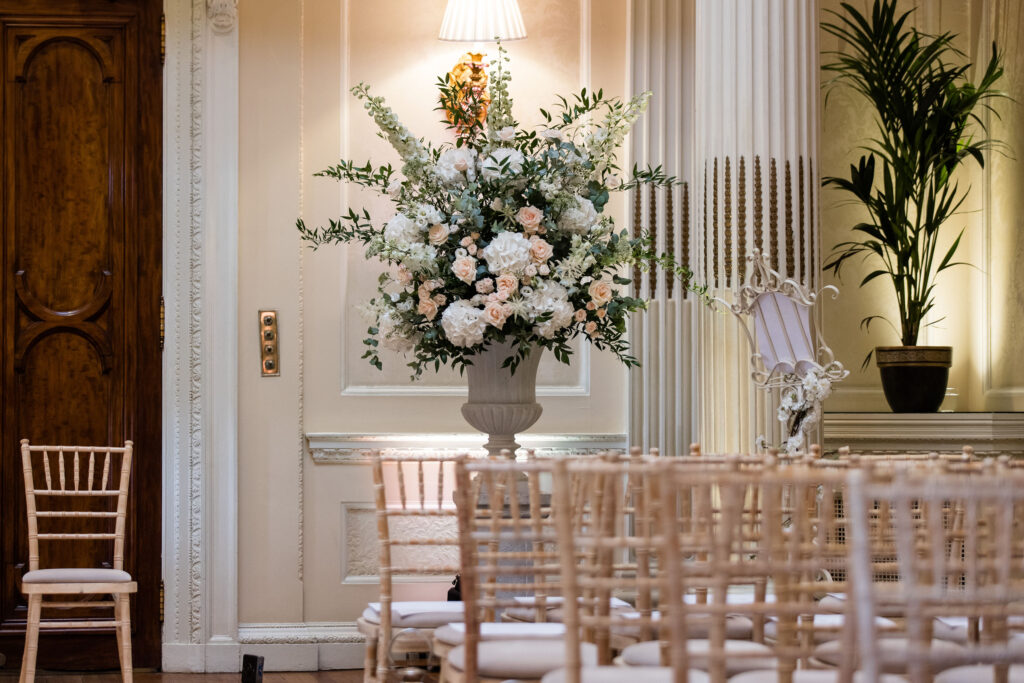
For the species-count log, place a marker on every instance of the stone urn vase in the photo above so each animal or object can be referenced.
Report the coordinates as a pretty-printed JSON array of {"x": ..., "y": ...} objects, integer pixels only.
[{"x": 502, "y": 404}]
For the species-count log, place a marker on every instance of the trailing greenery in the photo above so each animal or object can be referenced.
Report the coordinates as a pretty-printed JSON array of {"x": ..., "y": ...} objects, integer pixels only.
[{"x": 930, "y": 121}]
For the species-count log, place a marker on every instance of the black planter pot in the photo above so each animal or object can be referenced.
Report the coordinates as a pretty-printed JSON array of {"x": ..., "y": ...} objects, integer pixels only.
[{"x": 914, "y": 377}]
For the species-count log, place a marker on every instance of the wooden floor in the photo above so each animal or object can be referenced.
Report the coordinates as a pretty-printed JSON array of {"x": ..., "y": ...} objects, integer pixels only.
[{"x": 351, "y": 676}]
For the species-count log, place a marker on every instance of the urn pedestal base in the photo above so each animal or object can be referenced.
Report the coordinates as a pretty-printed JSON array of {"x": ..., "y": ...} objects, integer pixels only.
[{"x": 502, "y": 404}]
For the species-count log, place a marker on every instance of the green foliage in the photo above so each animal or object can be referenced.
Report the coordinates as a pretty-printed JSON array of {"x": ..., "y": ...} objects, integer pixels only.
[{"x": 929, "y": 121}]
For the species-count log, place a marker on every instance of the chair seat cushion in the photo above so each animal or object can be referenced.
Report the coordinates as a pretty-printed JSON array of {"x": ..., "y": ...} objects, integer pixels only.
[
  {"x": 741, "y": 655},
  {"x": 523, "y": 659},
  {"x": 625, "y": 674},
  {"x": 455, "y": 634},
  {"x": 736, "y": 627},
  {"x": 410, "y": 639},
  {"x": 978, "y": 673},
  {"x": 892, "y": 653},
  {"x": 76, "y": 575},
  {"x": 811, "y": 676},
  {"x": 417, "y": 614},
  {"x": 837, "y": 604},
  {"x": 827, "y": 627}
]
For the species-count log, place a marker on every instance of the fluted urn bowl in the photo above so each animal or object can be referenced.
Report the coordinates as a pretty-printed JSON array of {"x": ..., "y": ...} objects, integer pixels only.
[{"x": 502, "y": 404}]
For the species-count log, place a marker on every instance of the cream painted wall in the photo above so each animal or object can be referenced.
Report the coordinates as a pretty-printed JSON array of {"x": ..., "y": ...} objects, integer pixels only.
[
  {"x": 983, "y": 305},
  {"x": 297, "y": 60}
]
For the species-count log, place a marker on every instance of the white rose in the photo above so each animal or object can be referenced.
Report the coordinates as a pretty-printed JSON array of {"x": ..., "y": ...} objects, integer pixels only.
[
  {"x": 401, "y": 230},
  {"x": 395, "y": 188},
  {"x": 553, "y": 134},
  {"x": 578, "y": 219},
  {"x": 614, "y": 181},
  {"x": 507, "y": 134},
  {"x": 455, "y": 166},
  {"x": 508, "y": 252},
  {"x": 463, "y": 324},
  {"x": 491, "y": 168}
]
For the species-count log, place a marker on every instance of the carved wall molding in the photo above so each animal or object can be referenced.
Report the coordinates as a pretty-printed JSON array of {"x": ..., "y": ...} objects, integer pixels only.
[
  {"x": 328, "y": 448},
  {"x": 194, "y": 566},
  {"x": 223, "y": 14}
]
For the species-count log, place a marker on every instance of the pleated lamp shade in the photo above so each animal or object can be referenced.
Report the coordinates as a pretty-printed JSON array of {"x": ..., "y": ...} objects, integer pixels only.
[{"x": 482, "y": 21}]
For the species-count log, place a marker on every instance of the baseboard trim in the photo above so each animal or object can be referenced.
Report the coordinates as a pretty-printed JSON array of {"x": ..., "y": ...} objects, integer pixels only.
[
  {"x": 313, "y": 646},
  {"x": 183, "y": 658}
]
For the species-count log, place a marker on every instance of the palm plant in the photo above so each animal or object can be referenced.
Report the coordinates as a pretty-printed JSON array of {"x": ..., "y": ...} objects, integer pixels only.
[{"x": 929, "y": 122}]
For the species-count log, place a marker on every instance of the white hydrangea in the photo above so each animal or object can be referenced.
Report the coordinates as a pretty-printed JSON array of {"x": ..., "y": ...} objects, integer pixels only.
[
  {"x": 490, "y": 169},
  {"x": 580, "y": 218},
  {"x": 463, "y": 324},
  {"x": 561, "y": 316},
  {"x": 508, "y": 252},
  {"x": 456, "y": 166},
  {"x": 549, "y": 297},
  {"x": 392, "y": 334},
  {"x": 401, "y": 231},
  {"x": 426, "y": 214}
]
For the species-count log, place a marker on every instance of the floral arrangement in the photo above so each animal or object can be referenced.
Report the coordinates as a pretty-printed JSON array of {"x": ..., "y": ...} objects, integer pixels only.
[
  {"x": 501, "y": 235},
  {"x": 799, "y": 403}
]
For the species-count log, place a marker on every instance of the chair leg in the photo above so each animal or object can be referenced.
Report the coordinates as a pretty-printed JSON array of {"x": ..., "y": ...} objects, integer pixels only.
[
  {"x": 28, "y": 662},
  {"x": 122, "y": 614},
  {"x": 370, "y": 660}
]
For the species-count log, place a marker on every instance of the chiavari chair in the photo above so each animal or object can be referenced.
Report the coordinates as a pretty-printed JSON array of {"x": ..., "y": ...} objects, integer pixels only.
[
  {"x": 509, "y": 560},
  {"x": 607, "y": 515},
  {"x": 412, "y": 493},
  {"x": 959, "y": 553},
  {"x": 65, "y": 486}
]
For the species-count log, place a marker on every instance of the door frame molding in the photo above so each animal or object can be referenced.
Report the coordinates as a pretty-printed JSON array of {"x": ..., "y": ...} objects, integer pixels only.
[{"x": 200, "y": 388}]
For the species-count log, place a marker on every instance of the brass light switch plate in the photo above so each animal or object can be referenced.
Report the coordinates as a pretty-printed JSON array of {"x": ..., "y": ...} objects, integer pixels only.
[{"x": 270, "y": 363}]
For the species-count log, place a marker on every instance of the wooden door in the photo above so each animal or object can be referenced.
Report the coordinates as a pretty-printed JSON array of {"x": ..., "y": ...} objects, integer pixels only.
[{"x": 80, "y": 153}]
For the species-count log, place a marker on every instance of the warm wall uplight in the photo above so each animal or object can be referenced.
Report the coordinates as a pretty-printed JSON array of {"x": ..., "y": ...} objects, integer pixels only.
[{"x": 478, "y": 22}]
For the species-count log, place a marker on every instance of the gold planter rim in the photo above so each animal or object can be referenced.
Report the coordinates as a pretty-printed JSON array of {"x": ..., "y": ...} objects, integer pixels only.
[{"x": 927, "y": 356}]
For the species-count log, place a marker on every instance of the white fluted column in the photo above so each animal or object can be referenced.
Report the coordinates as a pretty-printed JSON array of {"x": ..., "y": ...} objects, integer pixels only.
[
  {"x": 663, "y": 412},
  {"x": 755, "y": 161}
]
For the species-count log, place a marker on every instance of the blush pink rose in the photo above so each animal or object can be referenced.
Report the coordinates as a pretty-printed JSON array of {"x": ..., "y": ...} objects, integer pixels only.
[
  {"x": 485, "y": 286},
  {"x": 495, "y": 314},
  {"x": 404, "y": 276},
  {"x": 530, "y": 217},
  {"x": 600, "y": 291},
  {"x": 428, "y": 308},
  {"x": 507, "y": 284},
  {"x": 580, "y": 315},
  {"x": 465, "y": 268},
  {"x": 590, "y": 327},
  {"x": 437, "y": 234},
  {"x": 540, "y": 249}
]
